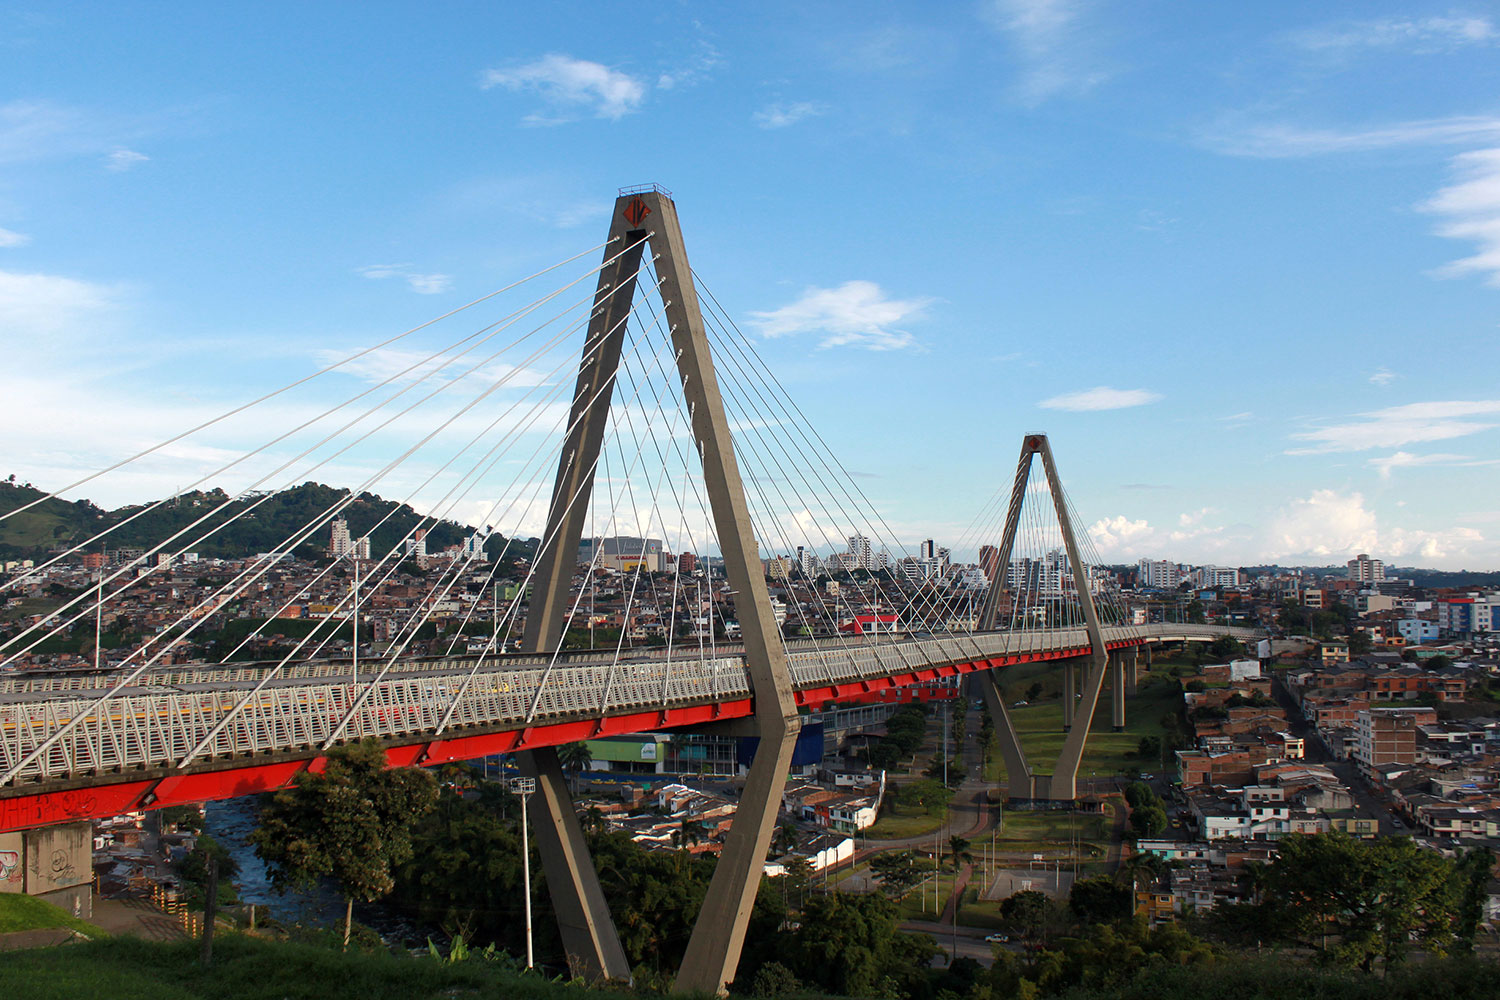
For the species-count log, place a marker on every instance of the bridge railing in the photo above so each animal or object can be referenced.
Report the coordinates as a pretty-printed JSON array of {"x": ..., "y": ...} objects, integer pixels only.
[{"x": 159, "y": 726}]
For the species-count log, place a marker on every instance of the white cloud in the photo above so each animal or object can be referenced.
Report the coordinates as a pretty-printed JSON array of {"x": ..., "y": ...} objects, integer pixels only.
[
  {"x": 1406, "y": 460},
  {"x": 1280, "y": 140},
  {"x": 1055, "y": 54},
  {"x": 36, "y": 129},
  {"x": 692, "y": 69},
  {"x": 1100, "y": 398},
  {"x": 1395, "y": 426},
  {"x": 782, "y": 115},
  {"x": 424, "y": 284},
  {"x": 1119, "y": 535},
  {"x": 10, "y": 238},
  {"x": 1122, "y": 537},
  {"x": 1424, "y": 34},
  {"x": 1329, "y": 524},
  {"x": 1471, "y": 211},
  {"x": 856, "y": 313},
  {"x": 46, "y": 304},
  {"x": 123, "y": 159},
  {"x": 568, "y": 83},
  {"x": 1382, "y": 376}
]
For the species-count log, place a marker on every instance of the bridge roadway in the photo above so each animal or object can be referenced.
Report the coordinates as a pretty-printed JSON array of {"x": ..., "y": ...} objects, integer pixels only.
[{"x": 194, "y": 733}]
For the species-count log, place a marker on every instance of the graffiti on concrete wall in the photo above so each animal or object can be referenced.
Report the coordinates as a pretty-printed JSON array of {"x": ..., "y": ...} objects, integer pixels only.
[
  {"x": 12, "y": 875},
  {"x": 58, "y": 857}
]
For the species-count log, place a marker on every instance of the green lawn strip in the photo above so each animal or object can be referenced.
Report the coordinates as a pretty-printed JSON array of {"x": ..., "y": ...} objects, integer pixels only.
[
  {"x": 248, "y": 969},
  {"x": 1106, "y": 752},
  {"x": 900, "y": 825},
  {"x": 982, "y": 913},
  {"x": 27, "y": 913},
  {"x": 911, "y": 908}
]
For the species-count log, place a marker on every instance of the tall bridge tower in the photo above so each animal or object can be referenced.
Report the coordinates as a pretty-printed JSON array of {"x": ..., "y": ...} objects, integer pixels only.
[{"x": 646, "y": 218}]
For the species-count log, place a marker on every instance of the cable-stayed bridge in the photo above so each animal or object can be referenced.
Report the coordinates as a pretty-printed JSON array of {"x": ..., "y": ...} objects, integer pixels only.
[{"x": 695, "y": 516}]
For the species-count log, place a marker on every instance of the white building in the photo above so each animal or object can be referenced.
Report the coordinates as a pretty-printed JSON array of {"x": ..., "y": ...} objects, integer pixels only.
[
  {"x": 1363, "y": 568},
  {"x": 1158, "y": 574}
]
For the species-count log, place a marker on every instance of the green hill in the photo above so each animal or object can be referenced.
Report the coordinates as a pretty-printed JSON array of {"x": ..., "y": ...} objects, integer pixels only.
[{"x": 256, "y": 523}]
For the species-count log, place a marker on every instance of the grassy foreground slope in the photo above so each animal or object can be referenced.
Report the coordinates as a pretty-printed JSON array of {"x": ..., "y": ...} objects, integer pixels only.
[
  {"x": 246, "y": 968},
  {"x": 27, "y": 913}
]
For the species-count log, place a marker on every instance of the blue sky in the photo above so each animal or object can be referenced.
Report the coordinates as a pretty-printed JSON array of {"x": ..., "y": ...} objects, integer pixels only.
[{"x": 1241, "y": 262}]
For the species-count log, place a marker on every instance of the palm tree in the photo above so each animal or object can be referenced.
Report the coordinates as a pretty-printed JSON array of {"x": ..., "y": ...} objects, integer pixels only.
[
  {"x": 689, "y": 833},
  {"x": 783, "y": 841},
  {"x": 574, "y": 757},
  {"x": 593, "y": 821},
  {"x": 960, "y": 848}
]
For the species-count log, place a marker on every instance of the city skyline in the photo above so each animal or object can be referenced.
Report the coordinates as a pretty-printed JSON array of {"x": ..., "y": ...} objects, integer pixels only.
[{"x": 1240, "y": 265}]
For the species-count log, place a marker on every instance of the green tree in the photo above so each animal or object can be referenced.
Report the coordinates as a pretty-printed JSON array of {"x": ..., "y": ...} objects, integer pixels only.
[
  {"x": 351, "y": 822},
  {"x": 1148, "y": 821},
  {"x": 1098, "y": 900},
  {"x": 850, "y": 945},
  {"x": 1356, "y": 901},
  {"x": 1027, "y": 911},
  {"x": 897, "y": 871},
  {"x": 193, "y": 868},
  {"x": 574, "y": 757}
]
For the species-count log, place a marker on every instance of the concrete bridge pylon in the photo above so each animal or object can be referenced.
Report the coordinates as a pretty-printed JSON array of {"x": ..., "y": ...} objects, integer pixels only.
[{"x": 648, "y": 218}]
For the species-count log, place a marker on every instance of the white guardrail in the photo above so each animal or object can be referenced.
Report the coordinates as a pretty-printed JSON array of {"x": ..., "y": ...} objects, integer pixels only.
[{"x": 181, "y": 714}]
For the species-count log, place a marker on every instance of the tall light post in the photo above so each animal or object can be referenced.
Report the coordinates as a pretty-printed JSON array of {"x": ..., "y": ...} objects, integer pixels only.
[{"x": 524, "y": 787}]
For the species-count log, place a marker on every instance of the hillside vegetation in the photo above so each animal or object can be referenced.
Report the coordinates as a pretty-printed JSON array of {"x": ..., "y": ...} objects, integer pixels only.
[{"x": 256, "y": 523}]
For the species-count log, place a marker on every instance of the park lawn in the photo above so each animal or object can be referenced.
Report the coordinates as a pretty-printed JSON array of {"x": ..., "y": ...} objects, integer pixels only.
[
  {"x": 981, "y": 913},
  {"x": 1050, "y": 832},
  {"x": 900, "y": 824},
  {"x": 1105, "y": 752},
  {"x": 911, "y": 908},
  {"x": 27, "y": 913}
]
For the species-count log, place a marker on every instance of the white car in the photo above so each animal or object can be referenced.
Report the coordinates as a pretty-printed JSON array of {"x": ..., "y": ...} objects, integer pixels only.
[{"x": 997, "y": 938}]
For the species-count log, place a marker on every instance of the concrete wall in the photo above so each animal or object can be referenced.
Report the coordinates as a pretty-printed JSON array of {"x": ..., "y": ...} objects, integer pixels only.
[{"x": 12, "y": 868}]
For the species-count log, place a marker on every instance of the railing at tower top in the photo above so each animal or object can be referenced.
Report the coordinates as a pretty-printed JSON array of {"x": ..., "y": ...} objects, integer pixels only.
[{"x": 160, "y": 723}]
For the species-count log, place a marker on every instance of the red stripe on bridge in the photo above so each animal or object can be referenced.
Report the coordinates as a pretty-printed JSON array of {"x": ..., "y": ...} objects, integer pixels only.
[{"x": 111, "y": 795}]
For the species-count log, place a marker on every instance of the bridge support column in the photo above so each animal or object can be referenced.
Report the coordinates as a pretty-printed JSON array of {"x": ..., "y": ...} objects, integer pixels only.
[
  {"x": 1069, "y": 695},
  {"x": 1020, "y": 784},
  {"x": 1117, "y": 689},
  {"x": 1133, "y": 668},
  {"x": 583, "y": 919},
  {"x": 713, "y": 950}
]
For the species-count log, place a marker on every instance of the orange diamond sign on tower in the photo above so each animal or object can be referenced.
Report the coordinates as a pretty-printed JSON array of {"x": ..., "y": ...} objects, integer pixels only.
[{"x": 636, "y": 211}]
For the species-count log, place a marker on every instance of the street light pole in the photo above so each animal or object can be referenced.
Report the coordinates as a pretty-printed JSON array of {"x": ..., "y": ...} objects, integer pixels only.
[{"x": 524, "y": 787}]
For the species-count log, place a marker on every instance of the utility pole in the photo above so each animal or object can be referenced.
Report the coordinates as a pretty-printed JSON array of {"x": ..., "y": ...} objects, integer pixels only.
[
  {"x": 524, "y": 787},
  {"x": 210, "y": 908}
]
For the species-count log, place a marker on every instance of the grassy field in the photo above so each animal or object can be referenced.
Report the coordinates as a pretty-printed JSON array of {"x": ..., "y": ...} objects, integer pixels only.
[
  {"x": 249, "y": 969},
  {"x": 911, "y": 908},
  {"x": 1106, "y": 752},
  {"x": 27, "y": 913},
  {"x": 901, "y": 823}
]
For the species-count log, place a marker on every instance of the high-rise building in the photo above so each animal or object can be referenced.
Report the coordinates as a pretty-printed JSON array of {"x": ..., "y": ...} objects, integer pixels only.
[
  {"x": 1158, "y": 574},
  {"x": 686, "y": 563},
  {"x": 340, "y": 545},
  {"x": 861, "y": 552},
  {"x": 1365, "y": 569},
  {"x": 1386, "y": 736}
]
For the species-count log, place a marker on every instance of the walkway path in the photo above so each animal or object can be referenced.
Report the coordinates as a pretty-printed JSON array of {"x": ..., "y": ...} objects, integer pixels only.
[{"x": 136, "y": 918}]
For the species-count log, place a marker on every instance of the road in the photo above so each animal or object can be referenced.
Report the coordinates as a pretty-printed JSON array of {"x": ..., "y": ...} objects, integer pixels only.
[
  {"x": 970, "y": 941},
  {"x": 1347, "y": 771}
]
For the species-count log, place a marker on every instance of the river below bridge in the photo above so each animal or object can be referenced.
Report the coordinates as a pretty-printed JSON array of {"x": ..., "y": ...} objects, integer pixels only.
[{"x": 231, "y": 821}]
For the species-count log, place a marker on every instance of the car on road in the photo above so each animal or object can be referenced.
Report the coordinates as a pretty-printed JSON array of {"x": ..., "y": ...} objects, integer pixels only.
[
  {"x": 997, "y": 938},
  {"x": 1019, "y": 704}
]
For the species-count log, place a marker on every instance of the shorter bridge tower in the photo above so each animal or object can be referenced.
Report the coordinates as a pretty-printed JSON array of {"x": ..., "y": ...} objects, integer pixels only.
[{"x": 1027, "y": 593}]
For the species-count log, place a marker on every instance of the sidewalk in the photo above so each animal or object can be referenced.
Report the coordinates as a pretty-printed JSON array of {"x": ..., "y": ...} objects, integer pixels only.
[{"x": 136, "y": 918}]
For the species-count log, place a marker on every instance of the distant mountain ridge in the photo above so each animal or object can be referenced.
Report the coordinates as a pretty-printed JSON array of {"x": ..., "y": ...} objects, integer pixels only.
[{"x": 59, "y": 524}]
